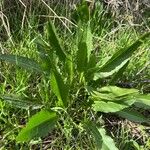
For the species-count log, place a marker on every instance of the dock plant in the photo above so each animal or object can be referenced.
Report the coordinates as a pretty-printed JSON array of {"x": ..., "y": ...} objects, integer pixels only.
[{"x": 76, "y": 81}]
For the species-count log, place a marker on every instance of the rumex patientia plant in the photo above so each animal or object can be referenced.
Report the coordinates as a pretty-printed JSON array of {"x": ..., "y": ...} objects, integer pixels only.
[{"x": 77, "y": 73}]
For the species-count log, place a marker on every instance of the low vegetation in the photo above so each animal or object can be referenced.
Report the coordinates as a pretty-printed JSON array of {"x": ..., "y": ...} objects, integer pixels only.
[{"x": 81, "y": 83}]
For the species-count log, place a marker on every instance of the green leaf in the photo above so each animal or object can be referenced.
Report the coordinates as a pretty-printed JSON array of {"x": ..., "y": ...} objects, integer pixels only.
[
  {"x": 70, "y": 68},
  {"x": 88, "y": 40},
  {"x": 142, "y": 101},
  {"x": 117, "y": 91},
  {"x": 108, "y": 142},
  {"x": 24, "y": 62},
  {"x": 92, "y": 61},
  {"x": 113, "y": 93},
  {"x": 111, "y": 106},
  {"x": 112, "y": 99},
  {"x": 119, "y": 59},
  {"x": 133, "y": 116},
  {"x": 81, "y": 57},
  {"x": 91, "y": 128},
  {"x": 54, "y": 42},
  {"x": 118, "y": 74},
  {"x": 39, "y": 125},
  {"x": 91, "y": 67},
  {"x": 59, "y": 88},
  {"x": 103, "y": 141},
  {"x": 20, "y": 102},
  {"x": 84, "y": 49}
]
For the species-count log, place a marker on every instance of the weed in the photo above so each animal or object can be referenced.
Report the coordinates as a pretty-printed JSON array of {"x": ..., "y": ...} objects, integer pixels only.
[{"x": 68, "y": 90}]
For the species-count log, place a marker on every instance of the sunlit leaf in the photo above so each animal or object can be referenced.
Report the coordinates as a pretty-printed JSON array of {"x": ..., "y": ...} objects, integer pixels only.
[
  {"x": 108, "y": 142},
  {"x": 112, "y": 99},
  {"x": 39, "y": 125},
  {"x": 118, "y": 74},
  {"x": 111, "y": 106},
  {"x": 70, "y": 68},
  {"x": 117, "y": 91},
  {"x": 84, "y": 48},
  {"x": 113, "y": 93},
  {"x": 119, "y": 59}
]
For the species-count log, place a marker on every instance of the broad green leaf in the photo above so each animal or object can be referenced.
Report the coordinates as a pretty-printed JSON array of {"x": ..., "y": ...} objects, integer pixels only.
[
  {"x": 103, "y": 141},
  {"x": 20, "y": 102},
  {"x": 118, "y": 74},
  {"x": 133, "y": 116},
  {"x": 117, "y": 91},
  {"x": 112, "y": 99},
  {"x": 55, "y": 43},
  {"x": 39, "y": 125},
  {"x": 104, "y": 96},
  {"x": 88, "y": 40},
  {"x": 84, "y": 49},
  {"x": 92, "y": 61},
  {"x": 108, "y": 142},
  {"x": 24, "y": 62},
  {"x": 91, "y": 128},
  {"x": 59, "y": 88},
  {"x": 91, "y": 67},
  {"x": 70, "y": 68},
  {"x": 142, "y": 101},
  {"x": 111, "y": 71},
  {"x": 119, "y": 59},
  {"x": 111, "y": 106},
  {"x": 82, "y": 57},
  {"x": 113, "y": 93}
]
